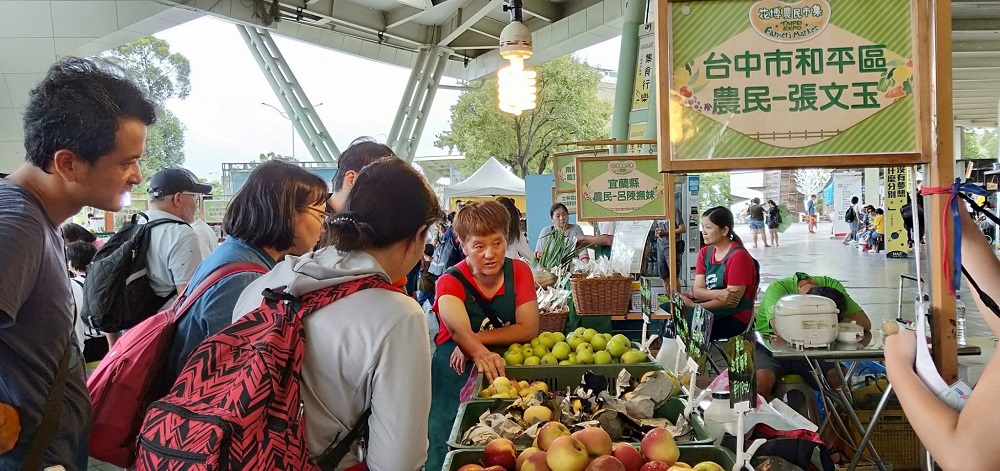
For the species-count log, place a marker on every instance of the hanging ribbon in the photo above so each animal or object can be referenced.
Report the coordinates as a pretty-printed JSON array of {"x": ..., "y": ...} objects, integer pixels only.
[{"x": 952, "y": 276}]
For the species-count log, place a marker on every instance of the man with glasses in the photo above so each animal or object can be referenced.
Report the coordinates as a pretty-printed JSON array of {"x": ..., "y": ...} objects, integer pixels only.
[{"x": 174, "y": 250}]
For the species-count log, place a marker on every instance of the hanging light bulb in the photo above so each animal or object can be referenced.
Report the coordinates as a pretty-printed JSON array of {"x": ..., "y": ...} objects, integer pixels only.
[{"x": 516, "y": 85}]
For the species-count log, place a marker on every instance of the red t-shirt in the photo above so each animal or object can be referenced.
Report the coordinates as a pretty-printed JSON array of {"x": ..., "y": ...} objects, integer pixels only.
[
  {"x": 447, "y": 285},
  {"x": 740, "y": 271}
]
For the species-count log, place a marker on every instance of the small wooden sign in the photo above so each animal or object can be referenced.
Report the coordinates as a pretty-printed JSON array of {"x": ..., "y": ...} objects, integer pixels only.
[
  {"x": 742, "y": 376},
  {"x": 701, "y": 335},
  {"x": 681, "y": 327}
]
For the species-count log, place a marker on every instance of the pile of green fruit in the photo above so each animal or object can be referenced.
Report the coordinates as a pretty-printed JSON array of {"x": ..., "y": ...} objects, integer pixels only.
[{"x": 582, "y": 347}]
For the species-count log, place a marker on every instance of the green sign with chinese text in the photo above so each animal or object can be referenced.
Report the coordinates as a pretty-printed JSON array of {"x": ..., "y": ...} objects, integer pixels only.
[
  {"x": 619, "y": 187},
  {"x": 742, "y": 376},
  {"x": 565, "y": 170},
  {"x": 773, "y": 78}
]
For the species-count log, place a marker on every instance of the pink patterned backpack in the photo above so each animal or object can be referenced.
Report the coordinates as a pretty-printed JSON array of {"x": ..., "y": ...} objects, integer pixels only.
[{"x": 236, "y": 404}]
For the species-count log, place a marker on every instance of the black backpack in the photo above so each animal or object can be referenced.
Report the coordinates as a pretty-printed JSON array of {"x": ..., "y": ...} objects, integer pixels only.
[
  {"x": 116, "y": 293},
  {"x": 446, "y": 254},
  {"x": 850, "y": 215}
]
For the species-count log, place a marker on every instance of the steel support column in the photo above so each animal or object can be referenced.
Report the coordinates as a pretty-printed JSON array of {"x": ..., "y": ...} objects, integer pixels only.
[
  {"x": 290, "y": 94},
  {"x": 404, "y": 102},
  {"x": 418, "y": 102},
  {"x": 634, "y": 10},
  {"x": 410, "y": 148}
]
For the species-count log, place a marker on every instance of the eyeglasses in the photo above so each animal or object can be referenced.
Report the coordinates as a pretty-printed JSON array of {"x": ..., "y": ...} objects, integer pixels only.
[
  {"x": 324, "y": 214},
  {"x": 196, "y": 196}
]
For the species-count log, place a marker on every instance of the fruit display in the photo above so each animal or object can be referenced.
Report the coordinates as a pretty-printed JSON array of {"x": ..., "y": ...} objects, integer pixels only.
[
  {"x": 581, "y": 347},
  {"x": 624, "y": 412},
  {"x": 591, "y": 449}
]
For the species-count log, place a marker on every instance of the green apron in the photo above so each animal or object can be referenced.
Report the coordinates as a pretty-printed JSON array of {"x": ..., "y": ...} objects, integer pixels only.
[
  {"x": 601, "y": 250},
  {"x": 446, "y": 384},
  {"x": 715, "y": 278}
]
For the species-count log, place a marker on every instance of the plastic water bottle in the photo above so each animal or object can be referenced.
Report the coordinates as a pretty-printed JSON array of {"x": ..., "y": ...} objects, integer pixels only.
[
  {"x": 720, "y": 417},
  {"x": 960, "y": 320}
]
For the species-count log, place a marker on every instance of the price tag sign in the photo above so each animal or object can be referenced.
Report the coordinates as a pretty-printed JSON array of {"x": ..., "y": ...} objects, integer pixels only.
[
  {"x": 681, "y": 327},
  {"x": 701, "y": 335},
  {"x": 742, "y": 376}
]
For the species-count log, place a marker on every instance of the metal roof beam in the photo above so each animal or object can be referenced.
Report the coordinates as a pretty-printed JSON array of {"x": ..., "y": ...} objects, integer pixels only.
[
  {"x": 970, "y": 47},
  {"x": 353, "y": 16},
  {"x": 960, "y": 62},
  {"x": 975, "y": 25},
  {"x": 465, "y": 18},
  {"x": 984, "y": 73},
  {"x": 543, "y": 9},
  {"x": 985, "y": 85},
  {"x": 401, "y": 15}
]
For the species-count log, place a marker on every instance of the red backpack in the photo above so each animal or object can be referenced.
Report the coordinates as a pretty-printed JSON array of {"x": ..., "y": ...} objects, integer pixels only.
[
  {"x": 236, "y": 404},
  {"x": 131, "y": 375}
]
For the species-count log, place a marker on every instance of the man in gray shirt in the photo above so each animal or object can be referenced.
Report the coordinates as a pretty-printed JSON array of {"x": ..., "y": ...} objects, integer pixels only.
[
  {"x": 85, "y": 129},
  {"x": 665, "y": 230}
]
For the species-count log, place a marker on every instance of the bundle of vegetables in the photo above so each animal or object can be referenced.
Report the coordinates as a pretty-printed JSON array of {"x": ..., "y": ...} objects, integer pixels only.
[{"x": 558, "y": 254}]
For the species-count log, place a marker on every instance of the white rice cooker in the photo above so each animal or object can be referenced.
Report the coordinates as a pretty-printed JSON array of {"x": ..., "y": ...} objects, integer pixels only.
[{"x": 806, "y": 320}]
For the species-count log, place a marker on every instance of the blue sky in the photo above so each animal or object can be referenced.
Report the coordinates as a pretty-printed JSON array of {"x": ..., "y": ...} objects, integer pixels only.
[{"x": 226, "y": 121}]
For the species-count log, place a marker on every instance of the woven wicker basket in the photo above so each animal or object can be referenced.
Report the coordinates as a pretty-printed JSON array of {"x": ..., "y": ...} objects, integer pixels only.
[
  {"x": 552, "y": 321},
  {"x": 601, "y": 296}
]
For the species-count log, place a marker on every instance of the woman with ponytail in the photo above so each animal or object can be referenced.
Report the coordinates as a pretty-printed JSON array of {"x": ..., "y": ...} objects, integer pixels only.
[
  {"x": 367, "y": 351},
  {"x": 726, "y": 277}
]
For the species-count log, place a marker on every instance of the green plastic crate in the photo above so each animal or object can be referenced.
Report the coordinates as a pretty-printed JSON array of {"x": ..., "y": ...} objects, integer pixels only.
[
  {"x": 469, "y": 412},
  {"x": 558, "y": 377},
  {"x": 690, "y": 454}
]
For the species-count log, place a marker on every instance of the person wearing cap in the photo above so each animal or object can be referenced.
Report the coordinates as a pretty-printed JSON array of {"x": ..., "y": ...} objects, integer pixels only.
[
  {"x": 174, "y": 250},
  {"x": 769, "y": 369}
]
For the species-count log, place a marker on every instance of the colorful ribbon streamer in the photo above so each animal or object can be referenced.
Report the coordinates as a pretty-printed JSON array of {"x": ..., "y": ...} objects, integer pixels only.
[{"x": 953, "y": 278}]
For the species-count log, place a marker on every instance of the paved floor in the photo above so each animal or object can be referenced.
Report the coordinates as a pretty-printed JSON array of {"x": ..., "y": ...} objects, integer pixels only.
[{"x": 871, "y": 279}]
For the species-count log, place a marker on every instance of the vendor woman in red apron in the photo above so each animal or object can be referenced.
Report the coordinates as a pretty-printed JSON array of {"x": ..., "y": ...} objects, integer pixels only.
[
  {"x": 725, "y": 277},
  {"x": 487, "y": 300}
]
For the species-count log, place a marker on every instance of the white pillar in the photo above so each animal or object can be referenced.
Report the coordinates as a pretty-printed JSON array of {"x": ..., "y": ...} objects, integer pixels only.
[{"x": 872, "y": 182}]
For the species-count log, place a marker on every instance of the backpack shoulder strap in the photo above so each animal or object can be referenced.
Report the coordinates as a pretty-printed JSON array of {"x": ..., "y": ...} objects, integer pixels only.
[
  {"x": 335, "y": 453},
  {"x": 218, "y": 275},
  {"x": 161, "y": 221},
  {"x": 35, "y": 456},
  {"x": 312, "y": 301}
]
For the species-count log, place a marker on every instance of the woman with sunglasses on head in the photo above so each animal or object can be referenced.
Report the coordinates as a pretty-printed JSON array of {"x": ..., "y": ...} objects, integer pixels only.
[
  {"x": 367, "y": 359},
  {"x": 279, "y": 211},
  {"x": 726, "y": 277}
]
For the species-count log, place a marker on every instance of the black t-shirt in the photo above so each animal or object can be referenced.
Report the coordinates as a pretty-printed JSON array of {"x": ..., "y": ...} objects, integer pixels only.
[{"x": 756, "y": 212}]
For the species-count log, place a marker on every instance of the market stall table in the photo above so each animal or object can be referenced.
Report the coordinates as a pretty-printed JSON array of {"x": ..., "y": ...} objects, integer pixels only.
[{"x": 870, "y": 348}]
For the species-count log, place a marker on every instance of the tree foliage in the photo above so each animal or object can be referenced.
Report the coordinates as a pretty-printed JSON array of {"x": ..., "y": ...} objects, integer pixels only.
[
  {"x": 811, "y": 181},
  {"x": 715, "y": 190},
  {"x": 275, "y": 156},
  {"x": 164, "y": 144},
  {"x": 979, "y": 143},
  {"x": 568, "y": 110},
  {"x": 163, "y": 75}
]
